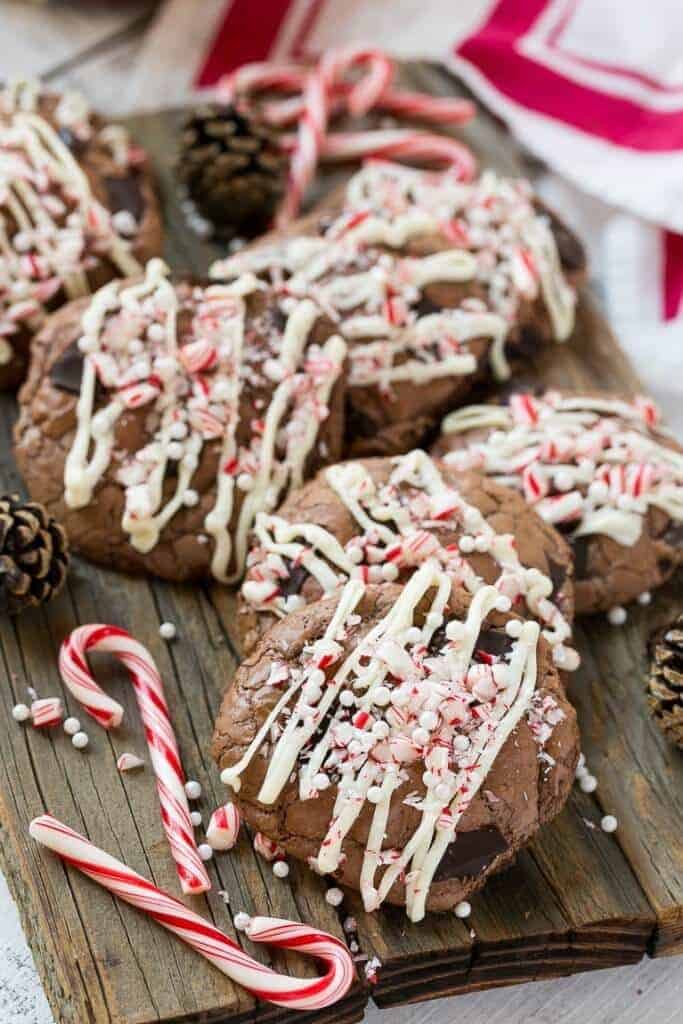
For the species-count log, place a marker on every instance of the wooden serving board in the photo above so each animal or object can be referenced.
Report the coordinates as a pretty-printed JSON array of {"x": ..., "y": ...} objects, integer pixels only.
[{"x": 577, "y": 899}]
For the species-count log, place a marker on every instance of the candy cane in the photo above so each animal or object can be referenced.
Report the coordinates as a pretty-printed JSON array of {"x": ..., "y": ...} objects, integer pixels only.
[
  {"x": 204, "y": 937},
  {"x": 161, "y": 740},
  {"x": 314, "y": 119},
  {"x": 400, "y": 144},
  {"x": 260, "y": 77}
]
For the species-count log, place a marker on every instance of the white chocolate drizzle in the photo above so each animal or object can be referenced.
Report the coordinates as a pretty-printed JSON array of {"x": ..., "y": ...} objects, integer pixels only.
[
  {"x": 358, "y": 721},
  {"x": 497, "y": 240},
  {"x": 400, "y": 523},
  {"x": 592, "y": 463},
  {"x": 52, "y": 229},
  {"x": 192, "y": 394}
]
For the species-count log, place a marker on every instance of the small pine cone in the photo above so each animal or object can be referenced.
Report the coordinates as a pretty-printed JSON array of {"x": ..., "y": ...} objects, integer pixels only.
[
  {"x": 34, "y": 554},
  {"x": 233, "y": 170},
  {"x": 665, "y": 681}
]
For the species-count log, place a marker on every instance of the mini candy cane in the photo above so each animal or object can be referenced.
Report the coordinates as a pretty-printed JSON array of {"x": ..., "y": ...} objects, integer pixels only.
[
  {"x": 224, "y": 827},
  {"x": 400, "y": 144},
  {"x": 161, "y": 741},
  {"x": 204, "y": 937}
]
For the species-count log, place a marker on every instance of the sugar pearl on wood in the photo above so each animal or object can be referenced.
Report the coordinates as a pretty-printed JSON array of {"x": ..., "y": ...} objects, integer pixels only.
[
  {"x": 609, "y": 823},
  {"x": 334, "y": 896},
  {"x": 588, "y": 783},
  {"x": 463, "y": 909},
  {"x": 167, "y": 631},
  {"x": 205, "y": 851},
  {"x": 80, "y": 740},
  {"x": 196, "y": 818},
  {"x": 71, "y": 726},
  {"x": 241, "y": 921},
  {"x": 21, "y": 713},
  {"x": 193, "y": 790},
  {"x": 617, "y": 616},
  {"x": 280, "y": 868}
]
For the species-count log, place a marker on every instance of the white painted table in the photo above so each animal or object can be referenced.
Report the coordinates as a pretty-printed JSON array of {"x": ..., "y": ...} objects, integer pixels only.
[{"x": 107, "y": 52}]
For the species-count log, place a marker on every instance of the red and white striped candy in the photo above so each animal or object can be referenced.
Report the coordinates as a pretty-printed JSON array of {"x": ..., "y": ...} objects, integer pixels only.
[
  {"x": 203, "y": 936},
  {"x": 267, "y": 848},
  {"x": 534, "y": 483},
  {"x": 129, "y": 762},
  {"x": 399, "y": 144},
  {"x": 46, "y": 712},
  {"x": 224, "y": 827},
  {"x": 198, "y": 355},
  {"x": 161, "y": 740},
  {"x": 524, "y": 409}
]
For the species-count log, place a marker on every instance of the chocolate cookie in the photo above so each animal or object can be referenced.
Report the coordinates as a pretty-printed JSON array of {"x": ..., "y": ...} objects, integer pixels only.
[
  {"x": 435, "y": 285},
  {"x": 378, "y": 519},
  {"x": 158, "y": 419},
  {"x": 406, "y": 740},
  {"x": 78, "y": 208},
  {"x": 597, "y": 467}
]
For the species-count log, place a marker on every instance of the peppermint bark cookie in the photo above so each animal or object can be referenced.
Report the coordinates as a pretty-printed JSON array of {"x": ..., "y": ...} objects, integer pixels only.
[
  {"x": 159, "y": 418},
  {"x": 596, "y": 466},
  {"x": 378, "y": 519},
  {"x": 77, "y": 208},
  {"x": 406, "y": 740},
  {"x": 434, "y": 284}
]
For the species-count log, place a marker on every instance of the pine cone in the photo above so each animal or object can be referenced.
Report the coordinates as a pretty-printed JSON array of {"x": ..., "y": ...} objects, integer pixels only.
[
  {"x": 233, "y": 170},
  {"x": 665, "y": 682},
  {"x": 34, "y": 555}
]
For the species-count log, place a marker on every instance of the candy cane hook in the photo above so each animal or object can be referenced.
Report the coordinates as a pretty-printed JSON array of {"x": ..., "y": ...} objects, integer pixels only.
[
  {"x": 204, "y": 937},
  {"x": 163, "y": 748}
]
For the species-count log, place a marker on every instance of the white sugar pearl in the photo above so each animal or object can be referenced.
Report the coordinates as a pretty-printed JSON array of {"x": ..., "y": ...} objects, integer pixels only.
[
  {"x": 280, "y": 868},
  {"x": 190, "y": 498},
  {"x": 196, "y": 818},
  {"x": 321, "y": 781},
  {"x": 167, "y": 631},
  {"x": 609, "y": 823},
  {"x": 124, "y": 222},
  {"x": 617, "y": 616},
  {"x": 205, "y": 851},
  {"x": 80, "y": 740},
  {"x": 513, "y": 628},
  {"x": 241, "y": 921},
  {"x": 503, "y": 604},
  {"x": 389, "y": 572},
  {"x": 645, "y": 598},
  {"x": 588, "y": 783},
  {"x": 466, "y": 544},
  {"x": 482, "y": 543},
  {"x": 461, "y": 743},
  {"x": 178, "y": 430},
  {"x": 71, "y": 726},
  {"x": 374, "y": 794},
  {"x": 346, "y": 698},
  {"x": 21, "y": 713},
  {"x": 429, "y": 720},
  {"x": 381, "y": 696},
  {"x": 334, "y": 896},
  {"x": 563, "y": 480},
  {"x": 463, "y": 909},
  {"x": 155, "y": 332},
  {"x": 193, "y": 790},
  {"x": 317, "y": 677},
  {"x": 420, "y": 737},
  {"x": 380, "y": 730},
  {"x": 355, "y": 554}
]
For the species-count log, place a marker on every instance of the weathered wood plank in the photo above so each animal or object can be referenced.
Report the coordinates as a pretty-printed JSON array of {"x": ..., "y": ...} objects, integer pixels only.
[{"x": 577, "y": 899}]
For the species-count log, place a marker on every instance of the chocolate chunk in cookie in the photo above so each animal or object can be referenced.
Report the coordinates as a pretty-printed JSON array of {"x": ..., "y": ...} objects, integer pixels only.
[
  {"x": 435, "y": 284},
  {"x": 160, "y": 418},
  {"x": 378, "y": 519},
  {"x": 407, "y": 740},
  {"x": 599, "y": 468},
  {"x": 79, "y": 209}
]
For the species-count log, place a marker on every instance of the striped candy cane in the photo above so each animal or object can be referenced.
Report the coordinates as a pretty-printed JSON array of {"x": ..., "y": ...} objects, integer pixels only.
[
  {"x": 163, "y": 749},
  {"x": 204, "y": 937}
]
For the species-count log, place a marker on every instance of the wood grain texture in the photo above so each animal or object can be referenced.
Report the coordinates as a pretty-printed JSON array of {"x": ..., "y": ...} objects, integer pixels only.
[{"x": 576, "y": 900}]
